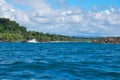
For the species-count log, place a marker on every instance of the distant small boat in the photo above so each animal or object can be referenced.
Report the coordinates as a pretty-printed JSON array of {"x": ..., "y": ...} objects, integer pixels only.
[{"x": 32, "y": 41}]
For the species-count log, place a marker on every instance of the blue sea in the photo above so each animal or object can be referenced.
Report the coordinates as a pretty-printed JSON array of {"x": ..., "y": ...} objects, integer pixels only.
[{"x": 59, "y": 61}]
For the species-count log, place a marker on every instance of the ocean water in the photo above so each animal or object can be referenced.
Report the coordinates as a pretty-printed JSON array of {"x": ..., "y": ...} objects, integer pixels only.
[{"x": 59, "y": 61}]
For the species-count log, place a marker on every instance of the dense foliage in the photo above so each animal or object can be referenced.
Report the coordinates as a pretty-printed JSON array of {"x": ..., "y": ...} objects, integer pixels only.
[{"x": 12, "y": 31}]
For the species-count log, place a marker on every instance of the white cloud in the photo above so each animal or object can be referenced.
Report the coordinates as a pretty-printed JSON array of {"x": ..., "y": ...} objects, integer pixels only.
[
  {"x": 5, "y": 10},
  {"x": 41, "y": 17}
]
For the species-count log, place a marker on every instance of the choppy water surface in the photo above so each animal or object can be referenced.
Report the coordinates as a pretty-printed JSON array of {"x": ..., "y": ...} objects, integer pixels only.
[{"x": 59, "y": 61}]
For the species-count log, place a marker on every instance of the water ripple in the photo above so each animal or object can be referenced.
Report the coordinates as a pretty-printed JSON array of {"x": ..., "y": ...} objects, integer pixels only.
[{"x": 59, "y": 61}]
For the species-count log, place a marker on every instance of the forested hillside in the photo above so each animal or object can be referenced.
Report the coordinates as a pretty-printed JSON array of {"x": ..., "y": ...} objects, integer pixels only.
[{"x": 12, "y": 31}]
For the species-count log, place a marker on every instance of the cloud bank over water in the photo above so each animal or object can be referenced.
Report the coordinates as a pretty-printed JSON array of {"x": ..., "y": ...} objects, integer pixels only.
[{"x": 38, "y": 15}]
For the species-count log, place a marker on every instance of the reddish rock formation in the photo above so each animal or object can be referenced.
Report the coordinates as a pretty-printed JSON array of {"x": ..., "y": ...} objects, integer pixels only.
[{"x": 109, "y": 40}]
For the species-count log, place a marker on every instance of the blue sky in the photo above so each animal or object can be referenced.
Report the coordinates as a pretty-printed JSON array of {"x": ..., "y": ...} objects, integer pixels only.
[
  {"x": 86, "y": 4},
  {"x": 66, "y": 17}
]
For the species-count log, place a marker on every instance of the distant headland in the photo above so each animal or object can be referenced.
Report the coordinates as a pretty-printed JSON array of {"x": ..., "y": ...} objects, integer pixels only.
[{"x": 10, "y": 31}]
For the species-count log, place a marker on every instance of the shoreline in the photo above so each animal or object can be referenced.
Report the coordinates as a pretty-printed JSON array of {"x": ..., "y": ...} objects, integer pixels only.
[
  {"x": 44, "y": 41},
  {"x": 104, "y": 40},
  {"x": 57, "y": 42}
]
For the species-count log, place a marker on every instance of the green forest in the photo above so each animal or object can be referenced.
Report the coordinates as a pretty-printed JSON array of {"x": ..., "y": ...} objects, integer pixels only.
[{"x": 11, "y": 31}]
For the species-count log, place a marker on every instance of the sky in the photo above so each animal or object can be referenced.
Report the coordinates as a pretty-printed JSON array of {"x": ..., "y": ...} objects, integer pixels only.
[{"x": 91, "y": 18}]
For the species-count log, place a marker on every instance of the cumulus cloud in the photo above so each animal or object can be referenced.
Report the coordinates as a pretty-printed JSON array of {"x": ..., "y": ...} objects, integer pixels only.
[
  {"x": 6, "y": 11},
  {"x": 41, "y": 17}
]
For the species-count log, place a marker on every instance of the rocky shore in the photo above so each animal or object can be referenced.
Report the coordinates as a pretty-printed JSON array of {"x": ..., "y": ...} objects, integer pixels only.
[{"x": 114, "y": 40}]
